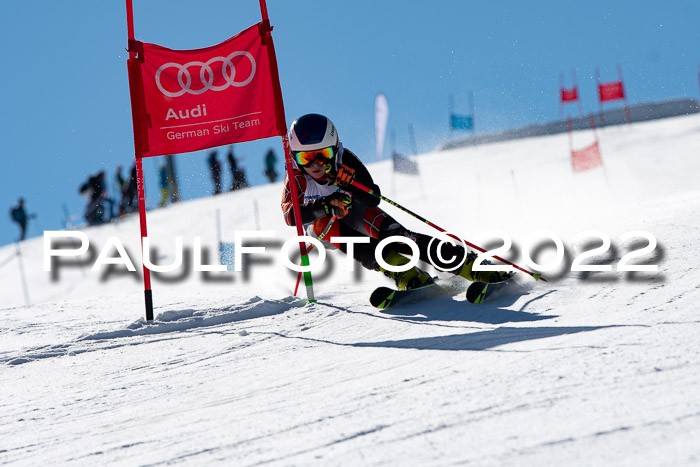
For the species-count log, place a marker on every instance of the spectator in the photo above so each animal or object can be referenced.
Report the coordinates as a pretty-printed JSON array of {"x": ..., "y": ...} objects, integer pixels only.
[
  {"x": 215, "y": 168},
  {"x": 122, "y": 185},
  {"x": 270, "y": 160},
  {"x": 106, "y": 198},
  {"x": 164, "y": 185},
  {"x": 96, "y": 190},
  {"x": 129, "y": 203},
  {"x": 20, "y": 217},
  {"x": 238, "y": 179},
  {"x": 119, "y": 178}
]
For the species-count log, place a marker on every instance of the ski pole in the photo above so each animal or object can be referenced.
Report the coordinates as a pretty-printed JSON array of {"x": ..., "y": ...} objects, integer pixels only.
[{"x": 356, "y": 184}]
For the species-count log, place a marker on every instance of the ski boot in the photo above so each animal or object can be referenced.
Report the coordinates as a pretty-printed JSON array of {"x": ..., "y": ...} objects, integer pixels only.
[
  {"x": 482, "y": 276},
  {"x": 406, "y": 280}
]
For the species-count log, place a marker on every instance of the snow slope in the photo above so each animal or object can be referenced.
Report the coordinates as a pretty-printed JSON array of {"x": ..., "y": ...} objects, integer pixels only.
[{"x": 586, "y": 369}]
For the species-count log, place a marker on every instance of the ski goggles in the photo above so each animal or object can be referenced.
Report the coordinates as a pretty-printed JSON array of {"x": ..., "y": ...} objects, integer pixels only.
[{"x": 323, "y": 156}]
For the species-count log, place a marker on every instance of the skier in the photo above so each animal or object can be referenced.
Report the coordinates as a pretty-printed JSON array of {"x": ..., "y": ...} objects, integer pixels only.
[{"x": 324, "y": 172}]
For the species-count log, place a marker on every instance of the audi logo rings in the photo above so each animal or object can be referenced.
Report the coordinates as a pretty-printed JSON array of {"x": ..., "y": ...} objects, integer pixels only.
[{"x": 206, "y": 75}]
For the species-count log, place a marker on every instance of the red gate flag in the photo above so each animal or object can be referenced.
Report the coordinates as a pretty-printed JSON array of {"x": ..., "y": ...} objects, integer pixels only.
[
  {"x": 170, "y": 91},
  {"x": 202, "y": 98},
  {"x": 586, "y": 158},
  {"x": 611, "y": 91},
  {"x": 569, "y": 95}
]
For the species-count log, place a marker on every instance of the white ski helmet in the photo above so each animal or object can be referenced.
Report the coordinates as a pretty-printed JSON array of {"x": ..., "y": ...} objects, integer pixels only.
[{"x": 312, "y": 132}]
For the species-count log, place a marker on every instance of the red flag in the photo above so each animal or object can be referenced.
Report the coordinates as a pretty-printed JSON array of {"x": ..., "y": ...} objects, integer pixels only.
[
  {"x": 586, "y": 158},
  {"x": 569, "y": 95},
  {"x": 197, "y": 99},
  {"x": 611, "y": 91}
]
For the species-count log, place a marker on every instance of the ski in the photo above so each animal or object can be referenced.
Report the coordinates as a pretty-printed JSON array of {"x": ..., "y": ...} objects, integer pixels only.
[
  {"x": 385, "y": 297},
  {"x": 479, "y": 292}
]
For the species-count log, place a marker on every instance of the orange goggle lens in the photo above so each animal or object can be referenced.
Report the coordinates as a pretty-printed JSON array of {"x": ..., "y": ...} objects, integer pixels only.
[{"x": 324, "y": 156}]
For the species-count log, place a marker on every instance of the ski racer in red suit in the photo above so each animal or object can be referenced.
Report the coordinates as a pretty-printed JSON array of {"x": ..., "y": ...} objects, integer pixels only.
[{"x": 324, "y": 172}]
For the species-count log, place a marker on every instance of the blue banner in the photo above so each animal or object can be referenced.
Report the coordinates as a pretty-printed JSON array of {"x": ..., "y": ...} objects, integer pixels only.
[{"x": 462, "y": 122}]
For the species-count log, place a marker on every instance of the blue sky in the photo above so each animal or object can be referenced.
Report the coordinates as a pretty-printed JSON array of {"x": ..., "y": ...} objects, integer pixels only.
[{"x": 66, "y": 112}]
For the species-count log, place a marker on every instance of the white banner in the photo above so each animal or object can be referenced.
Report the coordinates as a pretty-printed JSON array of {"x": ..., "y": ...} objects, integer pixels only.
[{"x": 381, "y": 117}]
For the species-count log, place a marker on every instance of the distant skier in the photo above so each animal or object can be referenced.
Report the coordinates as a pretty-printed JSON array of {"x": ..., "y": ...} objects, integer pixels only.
[
  {"x": 270, "y": 160},
  {"x": 324, "y": 172}
]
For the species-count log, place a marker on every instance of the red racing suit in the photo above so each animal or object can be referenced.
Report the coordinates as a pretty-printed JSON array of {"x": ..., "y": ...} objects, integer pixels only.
[{"x": 365, "y": 218}]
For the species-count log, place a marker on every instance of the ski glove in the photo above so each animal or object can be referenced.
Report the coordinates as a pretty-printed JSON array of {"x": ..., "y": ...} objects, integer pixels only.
[
  {"x": 338, "y": 204},
  {"x": 345, "y": 176}
]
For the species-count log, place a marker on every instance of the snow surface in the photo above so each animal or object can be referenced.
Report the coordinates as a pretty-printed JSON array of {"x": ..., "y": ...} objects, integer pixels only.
[{"x": 599, "y": 368}]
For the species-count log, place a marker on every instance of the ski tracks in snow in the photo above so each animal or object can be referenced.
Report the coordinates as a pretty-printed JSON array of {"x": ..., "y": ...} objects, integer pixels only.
[{"x": 164, "y": 326}]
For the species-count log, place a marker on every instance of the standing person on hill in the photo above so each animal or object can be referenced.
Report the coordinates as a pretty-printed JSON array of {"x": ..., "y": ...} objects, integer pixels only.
[
  {"x": 270, "y": 160},
  {"x": 131, "y": 192},
  {"x": 95, "y": 188},
  {"x": 238, "y": 179},
  {"x": 164, "y": 185},
  {"x": 234, "y": 168},
  {"x": 122, "y": 185},
  {"x": 215, "y": 169},
  {"x": 324, "y": 171},
  {"x": 119, "y": 178},
  {"x": 20, "y": 217}
]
